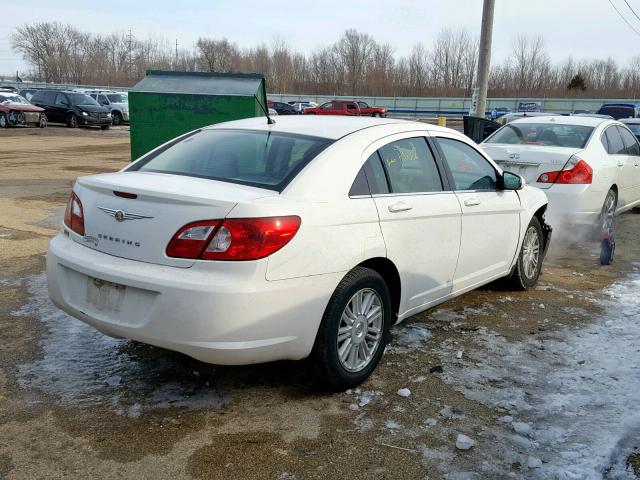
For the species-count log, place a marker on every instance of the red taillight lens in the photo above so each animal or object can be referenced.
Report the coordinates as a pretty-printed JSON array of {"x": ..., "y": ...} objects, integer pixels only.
[
  {"x": 233, "y": 238},
  {"x": 576, "y": 171},
  {"x": 74, "y": 215}
]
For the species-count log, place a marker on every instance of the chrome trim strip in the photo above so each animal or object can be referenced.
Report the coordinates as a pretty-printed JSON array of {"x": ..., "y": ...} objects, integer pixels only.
[{"x": 125, "y": 215}]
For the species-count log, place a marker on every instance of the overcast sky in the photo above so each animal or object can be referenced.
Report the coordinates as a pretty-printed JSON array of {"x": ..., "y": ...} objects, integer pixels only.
[{"x": 582, "y": 28}]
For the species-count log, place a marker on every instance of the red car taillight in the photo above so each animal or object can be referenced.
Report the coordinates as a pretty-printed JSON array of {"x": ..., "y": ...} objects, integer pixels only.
[
  {"x": 575, "y": 171},
  {"x": 74, "y": 215},
  {"x": 233, "y": 238}
]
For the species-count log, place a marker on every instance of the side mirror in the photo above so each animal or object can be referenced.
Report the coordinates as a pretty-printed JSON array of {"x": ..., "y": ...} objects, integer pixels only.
[{"x": 511, "y": 181}]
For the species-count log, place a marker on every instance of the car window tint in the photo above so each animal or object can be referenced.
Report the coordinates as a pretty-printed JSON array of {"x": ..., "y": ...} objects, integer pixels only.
[
  {"x": 351, "y": 106},
  {"x": 470, "y": 170},
  {"x": 61, "y": 99},
  {"x": 614, "y": 141},
  {"x": 327, "y": 106},
  {"x": 410, "y": 166},
  {"x": 363, "y": 105},
  {"x": 360, "y": 185},
  {"x": 259, "y": 158},
  {"x": 542, "y": 134},
  {"x": 376, "y": 176},
  {"x": 630, "y": 142}
]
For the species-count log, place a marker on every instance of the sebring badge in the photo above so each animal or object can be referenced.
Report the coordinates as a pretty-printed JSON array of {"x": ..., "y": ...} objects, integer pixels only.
[{"x": 121, "y": 216}]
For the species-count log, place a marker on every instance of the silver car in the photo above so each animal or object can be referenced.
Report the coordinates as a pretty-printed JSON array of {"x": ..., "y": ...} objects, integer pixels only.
[{"x": 118, "y": 102}]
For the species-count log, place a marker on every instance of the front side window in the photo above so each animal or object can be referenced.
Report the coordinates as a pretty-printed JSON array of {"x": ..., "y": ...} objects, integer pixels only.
[
  {"x": 61, "y": 100},
  {"x": 363, "y": 105},
  {"x": 470, "y": 170},
  {"x": 351, "y": 106},
  {"x": 615, "y": 146},
  {"x": 410, "y": 166},
  {"x": 327, "y": 106},
  {"x": 258, "y": 158}
]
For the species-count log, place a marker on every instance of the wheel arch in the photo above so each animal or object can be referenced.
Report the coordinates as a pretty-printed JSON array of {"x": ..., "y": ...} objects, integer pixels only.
[{"x": 389, "y": 272}]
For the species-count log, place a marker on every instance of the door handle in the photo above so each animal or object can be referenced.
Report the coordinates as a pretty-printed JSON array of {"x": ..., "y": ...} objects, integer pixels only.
[
  {"x": 620, "y": 163},
  {"x": 400, "y": 207},
  {"x": 471, "y": 202}
]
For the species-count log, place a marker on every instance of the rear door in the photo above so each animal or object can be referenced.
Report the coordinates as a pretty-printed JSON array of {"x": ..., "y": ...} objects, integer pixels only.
[
  {"x": 625, "y": 165},
  {"x": 490, "y": 216},
  {"x": 419, "y": 217},
  {"x": 632, "y": 166}
]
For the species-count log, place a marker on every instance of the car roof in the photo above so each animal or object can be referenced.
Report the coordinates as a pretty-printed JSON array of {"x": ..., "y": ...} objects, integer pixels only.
[
  {"x": 564, "y": 120},
  {"x": 332, "y": 127}
]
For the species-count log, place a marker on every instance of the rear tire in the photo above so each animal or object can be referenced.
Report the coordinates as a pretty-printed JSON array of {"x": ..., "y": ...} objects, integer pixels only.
[
  {"x": 529, "y": 265},
  {"x": 608, "y": 210},
  {"x": 104, "y": 127},
  {"x": 354, "y": 330}
]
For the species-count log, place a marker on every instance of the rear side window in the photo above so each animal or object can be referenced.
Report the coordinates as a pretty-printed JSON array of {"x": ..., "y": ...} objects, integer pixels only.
[
  {"x": 371, "y": 179},
  {"x": 258, "y": 158},
  {"x": 470, "y": 170},
  {"x": 614, "y": 141},
  {"x": 630, "y": 142},
  {"x": 410, "y": 166}
]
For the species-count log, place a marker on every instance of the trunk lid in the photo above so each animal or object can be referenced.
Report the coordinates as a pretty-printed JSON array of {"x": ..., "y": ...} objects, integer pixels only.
[
  {"x": 529, "y": 161},
  {"x": 164, "y": 204}
]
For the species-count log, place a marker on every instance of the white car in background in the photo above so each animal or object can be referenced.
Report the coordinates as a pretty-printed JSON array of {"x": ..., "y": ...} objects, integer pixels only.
[
  {"x": 589, "y": 167},
  {"x": 245, "y": 242}
]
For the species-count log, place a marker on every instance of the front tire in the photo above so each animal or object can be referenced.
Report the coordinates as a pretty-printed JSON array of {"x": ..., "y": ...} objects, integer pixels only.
[
  {"x": 529, "y": 264},
  {"x": 105, "y": 127},
  {"x": 354, "y": 330},
  {"x": 117, "y": 119},
  {"x": 42, "y": 122},
  {"x": 72, "y": 120},
  {"x": 376, "y": 114},
  {"x": 4, "y": 122}
]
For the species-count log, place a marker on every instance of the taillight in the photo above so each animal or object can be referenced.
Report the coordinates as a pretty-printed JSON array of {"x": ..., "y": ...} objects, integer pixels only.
[
  {"x": 233, "y": 238},
  {"x": 74, "y": 215},
  {"x": 575, "y": 171}
]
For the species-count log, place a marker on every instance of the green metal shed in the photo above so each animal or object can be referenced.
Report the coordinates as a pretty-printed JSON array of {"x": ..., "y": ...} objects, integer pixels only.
[{"x": 164, "y": 105}]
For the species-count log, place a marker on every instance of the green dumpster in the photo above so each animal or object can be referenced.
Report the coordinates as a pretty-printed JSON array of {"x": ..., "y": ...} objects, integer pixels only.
[{"x": 164, "y": 105}]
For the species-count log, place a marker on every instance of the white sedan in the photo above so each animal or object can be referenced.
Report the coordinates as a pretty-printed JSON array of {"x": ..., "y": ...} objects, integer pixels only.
[
  {"x": 246, "y": 242},
  {"x": 589, "y": 167}
]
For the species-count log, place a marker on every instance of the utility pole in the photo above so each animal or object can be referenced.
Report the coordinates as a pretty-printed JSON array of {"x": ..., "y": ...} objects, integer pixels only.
[{"x": 484, "y": 58}]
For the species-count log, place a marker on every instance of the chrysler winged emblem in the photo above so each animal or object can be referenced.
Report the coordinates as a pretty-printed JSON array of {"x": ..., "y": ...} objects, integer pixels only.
[{"x": 121, "y": 215}]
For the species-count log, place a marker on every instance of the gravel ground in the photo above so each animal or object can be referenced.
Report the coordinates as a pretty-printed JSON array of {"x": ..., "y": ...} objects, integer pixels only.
[{"x": 76, "y": 404}]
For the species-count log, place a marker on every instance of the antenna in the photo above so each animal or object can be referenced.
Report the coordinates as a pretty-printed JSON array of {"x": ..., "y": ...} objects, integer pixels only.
[{"x": 270, "y": 121}]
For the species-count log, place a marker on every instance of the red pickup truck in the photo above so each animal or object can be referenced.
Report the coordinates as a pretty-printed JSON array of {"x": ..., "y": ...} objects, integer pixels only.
[{"x": 359, "y": 109}]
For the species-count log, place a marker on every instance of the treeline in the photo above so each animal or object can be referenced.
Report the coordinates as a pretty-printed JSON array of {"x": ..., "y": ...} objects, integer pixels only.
[{"x": 356, "y": 64}]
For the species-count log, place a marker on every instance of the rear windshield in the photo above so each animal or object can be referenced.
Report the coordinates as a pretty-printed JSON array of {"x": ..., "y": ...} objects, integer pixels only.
[
  {"x": 257, "y": 158},
  {"x": 617, "y": 112},
  {"x": 543, "y": 134}
]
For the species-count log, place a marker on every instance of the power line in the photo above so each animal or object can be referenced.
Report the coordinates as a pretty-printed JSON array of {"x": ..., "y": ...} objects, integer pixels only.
[
  {"x": 623, "y": 18},
  {"x": 632, "y": 10}
]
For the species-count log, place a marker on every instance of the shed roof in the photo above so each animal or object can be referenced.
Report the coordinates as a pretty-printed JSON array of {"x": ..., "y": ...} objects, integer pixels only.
[{"x": 200, "y": 83}]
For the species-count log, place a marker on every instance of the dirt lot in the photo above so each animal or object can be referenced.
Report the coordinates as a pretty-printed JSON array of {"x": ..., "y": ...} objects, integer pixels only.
[{"x": 76, "y": 404}]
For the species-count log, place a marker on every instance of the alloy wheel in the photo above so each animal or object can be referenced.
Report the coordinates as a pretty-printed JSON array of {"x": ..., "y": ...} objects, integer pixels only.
[
  {"x": 531, "y": 252},
  {"x": 360, "y": 330}
]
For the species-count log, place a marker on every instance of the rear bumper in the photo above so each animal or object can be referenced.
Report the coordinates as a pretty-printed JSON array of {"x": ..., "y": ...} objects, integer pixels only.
[
  {"x": 573, "y": 204},
  {"x": 226, "y": 313}
]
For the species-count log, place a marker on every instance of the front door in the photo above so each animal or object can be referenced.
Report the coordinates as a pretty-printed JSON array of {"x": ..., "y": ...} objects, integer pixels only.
[
  {"x": 419, "y": 218},
  {"x": 490, "y": 216}
]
